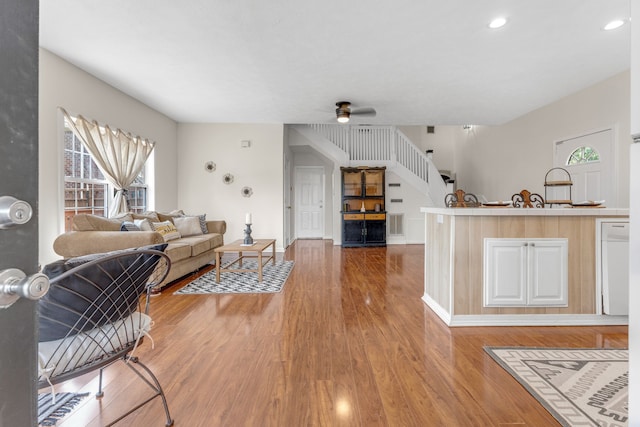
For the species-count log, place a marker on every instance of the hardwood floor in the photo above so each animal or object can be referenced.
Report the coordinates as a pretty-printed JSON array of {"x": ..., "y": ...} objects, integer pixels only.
[{"x": 348, "y": 342}]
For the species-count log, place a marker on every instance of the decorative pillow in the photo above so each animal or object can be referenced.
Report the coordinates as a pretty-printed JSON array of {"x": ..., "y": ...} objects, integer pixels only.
[
  {"x": 188, "y": 225},
  {"x": 129, "y": 226},
  {"x": 151, "y": 216},
  {"x": 93, "y": 293},
  {"x": 170, "y": 215},
  {"x": 143, "y": 224},
  {"x": 203, "y": 223},
  {"x": 167, "y": 230}
]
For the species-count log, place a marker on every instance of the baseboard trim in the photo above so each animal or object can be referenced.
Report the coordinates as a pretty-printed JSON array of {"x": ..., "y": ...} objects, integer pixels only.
[
  {"x": 522, "y": 319},
  {"x": 538, "y": 320},
  {"x": 439, "y": 310}
]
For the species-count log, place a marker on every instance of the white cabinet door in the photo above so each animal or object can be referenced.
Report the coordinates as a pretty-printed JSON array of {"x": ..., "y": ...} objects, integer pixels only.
[
  {"x": 505, "y": 272},
  {"x": 548, "y": 276},
  {"x": 525, "y": 272}
]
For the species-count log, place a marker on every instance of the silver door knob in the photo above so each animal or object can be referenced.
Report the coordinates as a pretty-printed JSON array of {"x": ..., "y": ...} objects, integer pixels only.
[
  {"x": 15, "y": 284},
  {"x": 14, "y": 212}
]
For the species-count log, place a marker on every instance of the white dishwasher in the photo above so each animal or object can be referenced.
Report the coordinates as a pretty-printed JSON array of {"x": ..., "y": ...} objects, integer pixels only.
[{"x": 615, "y": 267}]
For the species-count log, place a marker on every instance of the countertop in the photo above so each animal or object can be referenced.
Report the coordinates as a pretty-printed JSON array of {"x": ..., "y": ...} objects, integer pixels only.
[{"x": 509, "y": 211}]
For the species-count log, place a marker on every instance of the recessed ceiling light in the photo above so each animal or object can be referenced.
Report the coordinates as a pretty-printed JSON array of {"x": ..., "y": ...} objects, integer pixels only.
[
  {"x": 497, "y": 23},
  {"x": 614, "y": 24}
]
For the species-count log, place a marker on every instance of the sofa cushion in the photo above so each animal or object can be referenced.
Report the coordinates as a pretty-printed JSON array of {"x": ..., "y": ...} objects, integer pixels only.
[
  {"x": 167, "y": 230},
  {"x": 198, "y": 244},
  {"x": 188, "y": 225},
  {"x": 213, "y": 240},
  {"x": 89, "y": 222},
  {"x": 177, "y": 251}
]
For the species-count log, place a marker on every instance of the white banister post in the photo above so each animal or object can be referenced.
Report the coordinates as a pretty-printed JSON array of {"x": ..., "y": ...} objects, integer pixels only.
[{"x": 394, "y": 142}]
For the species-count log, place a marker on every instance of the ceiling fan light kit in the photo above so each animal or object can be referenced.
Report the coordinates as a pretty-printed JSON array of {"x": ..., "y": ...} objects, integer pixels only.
[{"x": 344, "y": 111}]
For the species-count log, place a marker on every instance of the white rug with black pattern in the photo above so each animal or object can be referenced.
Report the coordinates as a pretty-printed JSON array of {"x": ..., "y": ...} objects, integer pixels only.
[
  {"x": 273, "y": 279},
  {"x": 579, "y": 387}
]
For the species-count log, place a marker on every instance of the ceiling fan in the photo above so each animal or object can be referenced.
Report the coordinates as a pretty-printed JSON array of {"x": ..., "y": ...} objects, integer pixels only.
[{"x": 344, "y": 111}]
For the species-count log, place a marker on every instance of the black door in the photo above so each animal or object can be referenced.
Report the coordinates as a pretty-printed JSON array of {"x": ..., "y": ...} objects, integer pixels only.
[{"x": 19, "y": 179}]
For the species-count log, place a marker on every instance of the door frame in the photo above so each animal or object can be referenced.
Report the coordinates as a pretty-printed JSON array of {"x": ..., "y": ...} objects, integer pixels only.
[{"x": 613, "y": 153}]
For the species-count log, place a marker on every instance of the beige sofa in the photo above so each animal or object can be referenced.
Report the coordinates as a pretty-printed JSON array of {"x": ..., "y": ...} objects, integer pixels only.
[{"x": 93, "y": 234}]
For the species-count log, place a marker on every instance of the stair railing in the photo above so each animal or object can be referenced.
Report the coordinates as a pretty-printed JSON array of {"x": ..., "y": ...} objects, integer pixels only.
[{"x": 385, "y": 144}]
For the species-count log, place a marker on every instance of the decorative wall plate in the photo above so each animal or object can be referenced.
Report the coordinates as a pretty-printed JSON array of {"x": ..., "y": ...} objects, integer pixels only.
[
  {"x": 209, "y": 166},
  {"x": 227, "y": 178},
  {"x": 246, "y": 191}
]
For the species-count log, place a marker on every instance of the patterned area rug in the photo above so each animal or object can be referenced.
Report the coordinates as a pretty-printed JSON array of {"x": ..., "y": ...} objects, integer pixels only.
[
  {"x": 50, "y": 412},
  {"x": 579, "y": 387},
  {"x": 273, "y": 278}
]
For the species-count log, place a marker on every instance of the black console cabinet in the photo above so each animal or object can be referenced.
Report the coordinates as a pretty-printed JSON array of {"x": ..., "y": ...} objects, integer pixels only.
[{"x": 364, "y": 220}]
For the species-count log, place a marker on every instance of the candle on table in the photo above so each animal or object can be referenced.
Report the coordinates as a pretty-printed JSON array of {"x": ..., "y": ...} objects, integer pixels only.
[{"x": 247, "y": 219}]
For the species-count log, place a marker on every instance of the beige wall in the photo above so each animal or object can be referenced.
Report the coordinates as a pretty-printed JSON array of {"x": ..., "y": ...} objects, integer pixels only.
[
  {"x": 260, "y": 167},
  {"x": 64, "y": 85},
  {"x": 499, "y": 161}
]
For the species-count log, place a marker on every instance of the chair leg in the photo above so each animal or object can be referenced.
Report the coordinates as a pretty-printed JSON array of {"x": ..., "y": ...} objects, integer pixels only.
[
  {"x": 100, "y": 393},
  {"x": 155, "y": 386}
]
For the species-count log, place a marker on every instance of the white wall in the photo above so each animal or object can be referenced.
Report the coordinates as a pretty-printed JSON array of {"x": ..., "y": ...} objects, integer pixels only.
[
  {"x": 442, "y": 142},
  {"x": 64, "y": 85},
  {"x": 412, "y": 201},
  {"x": 260, "y": 167},
  {"x": 499, "y": 161}
]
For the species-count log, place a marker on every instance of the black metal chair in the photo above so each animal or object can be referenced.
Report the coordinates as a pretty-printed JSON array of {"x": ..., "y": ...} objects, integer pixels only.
[{"x": 96, "y": 313}]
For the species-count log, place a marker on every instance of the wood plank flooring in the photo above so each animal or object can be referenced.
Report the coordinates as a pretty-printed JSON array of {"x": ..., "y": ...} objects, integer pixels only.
[{"x": 348, "y": 342}]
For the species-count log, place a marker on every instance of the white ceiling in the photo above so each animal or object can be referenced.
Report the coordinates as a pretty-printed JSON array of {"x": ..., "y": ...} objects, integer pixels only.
[{"x": 286, "y": 61}]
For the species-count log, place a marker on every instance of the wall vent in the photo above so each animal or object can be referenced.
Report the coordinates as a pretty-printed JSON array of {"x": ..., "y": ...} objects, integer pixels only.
[
  {"x": 395, "y": 200},
  {"x": 396, "y": 226},
  {"x": 394, "y": 184},
  {"x": 431, "y": 129}
]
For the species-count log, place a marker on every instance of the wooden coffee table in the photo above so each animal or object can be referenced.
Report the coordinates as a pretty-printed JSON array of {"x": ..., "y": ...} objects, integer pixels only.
[{"x": 259, "y": 245}]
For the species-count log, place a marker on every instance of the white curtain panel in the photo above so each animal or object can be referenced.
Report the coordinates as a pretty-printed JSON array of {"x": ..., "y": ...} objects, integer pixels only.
[{"x": 119, "y": 155}]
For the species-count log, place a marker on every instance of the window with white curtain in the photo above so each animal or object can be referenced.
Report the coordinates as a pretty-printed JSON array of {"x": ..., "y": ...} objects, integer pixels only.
[{"x": 85, "y": 188}]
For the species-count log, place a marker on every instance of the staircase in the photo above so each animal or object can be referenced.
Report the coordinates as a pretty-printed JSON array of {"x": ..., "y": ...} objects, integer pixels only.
[{"x": 350, "y": 145}]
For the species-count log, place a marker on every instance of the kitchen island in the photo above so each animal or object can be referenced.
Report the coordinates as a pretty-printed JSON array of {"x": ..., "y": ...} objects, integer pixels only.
[{"x": 514, "y": 266}]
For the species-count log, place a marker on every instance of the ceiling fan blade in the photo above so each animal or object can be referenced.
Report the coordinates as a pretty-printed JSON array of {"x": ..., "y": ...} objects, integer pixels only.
[{"x": 370, "y": 112}]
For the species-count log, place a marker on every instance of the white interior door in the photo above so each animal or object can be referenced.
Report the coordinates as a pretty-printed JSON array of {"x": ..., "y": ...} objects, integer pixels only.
[
  {"x": 593, "y": 180},
  {"x": 309, "y": 184}
]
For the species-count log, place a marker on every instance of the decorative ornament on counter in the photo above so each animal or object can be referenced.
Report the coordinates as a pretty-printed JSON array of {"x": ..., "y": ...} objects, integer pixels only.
[
  {"x": 210, "y": 166},
  {"x": 246, "y": 191},
  {"x": 363, "y": 209},
  {"x": 227, "y": 178}
]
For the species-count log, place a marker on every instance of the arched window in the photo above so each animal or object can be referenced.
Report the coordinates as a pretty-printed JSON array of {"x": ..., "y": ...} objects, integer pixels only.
[{"x": 583, "y": 155}]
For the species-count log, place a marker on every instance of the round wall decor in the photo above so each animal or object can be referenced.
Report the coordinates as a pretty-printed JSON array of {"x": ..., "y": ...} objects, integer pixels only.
[{"x": 209, "y": 166}]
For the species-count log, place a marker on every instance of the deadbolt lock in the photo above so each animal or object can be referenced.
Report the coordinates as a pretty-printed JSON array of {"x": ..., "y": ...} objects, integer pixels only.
[{"x": 14, "y": 212}]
